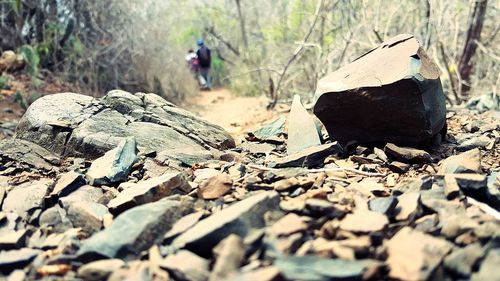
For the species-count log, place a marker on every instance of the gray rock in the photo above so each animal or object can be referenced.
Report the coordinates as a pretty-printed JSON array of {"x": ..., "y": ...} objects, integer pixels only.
[
  {"x": 467, "y": 162},
  {"x": 309, "y": 157},
  {"x": 133, "y": 231},
  {"x": 270, "y": 130},
  {"x": 461, "y": 261},
  {"x": 406, "y": 154},
  {"x": 485, "y": 102},
  {"x": 55, "y": 217},
  {"x": 473, "y": 185},
  {"x": 149, "y": 191},
  {"x": 241, "y": 218},
  {"x": 390, "y": 94},
  {"x": 230, "y": 254},
  {"x": 10, "y": 260},
  {"x": 384, "y": 205},
  {"x": 28, "y": 153},
  {"x": 408, "y": 207},
  {"x": 13, "y": 240},
  {"x": 78, "y": 125},
  {"x": 87, "y": 215},
  {"x": 99, "y": 270},
  {"x": 185, "y": 265},
  {"x": 85, "y": 193},
  {"x": 414, "y": 255},
  {"x": 475, "y": 142},
  {"x": 314, "y": 268},
  {"x": 489, "y": 267},
  {"x": 66, "y": 184},
  {"x": 493, "y": 192},
  {"x": 26, "y": 198},
  {"x": 302, "y": 132},
  {"x": 115, "y": 165}
]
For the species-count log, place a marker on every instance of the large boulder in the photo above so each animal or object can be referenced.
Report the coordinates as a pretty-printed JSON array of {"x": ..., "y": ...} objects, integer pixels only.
[
  {"x": 390, "y": 94},
  {"x": 71, "y": 124}
]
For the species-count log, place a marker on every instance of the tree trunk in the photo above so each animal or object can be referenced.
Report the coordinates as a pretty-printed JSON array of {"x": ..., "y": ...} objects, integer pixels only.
[
  {"x": 242, "y": 25},
  {"x": 475, "y": 25}
]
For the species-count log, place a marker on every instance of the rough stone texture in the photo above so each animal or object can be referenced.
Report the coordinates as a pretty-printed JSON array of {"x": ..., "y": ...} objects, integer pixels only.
[
  {"x": 406, "y": 154},
  {"x": 302, "y": 132},
  {"x": 115, "y": 165},
  {"x": 99, "y": 270},
  {"x": 414, "y": 255},
  {"x": 149, "y": 191},
  {"x": 187, "y": 266},
  {"x": 215, "y": 187},
  {"x": 133, "y": 231},
  {"x": 364, "y": 221},
  {"x": 87, "y": 215},
  {"x": 78, "y": 125},
  {"x": 240, "y": 218},
  {"x": 10, "y": 260},
  {"x": 467, "y": 162},
  {"x": 461, "y": 261},
  {"x": 24, "y": 199},
  {"x": 27, "y": 153},
  {"x": 319, "y": 269},
  {"x": 390, "y": 94}
]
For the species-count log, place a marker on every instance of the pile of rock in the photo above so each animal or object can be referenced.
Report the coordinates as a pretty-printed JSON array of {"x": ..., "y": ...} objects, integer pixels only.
[{"x": 130, "y": 186}]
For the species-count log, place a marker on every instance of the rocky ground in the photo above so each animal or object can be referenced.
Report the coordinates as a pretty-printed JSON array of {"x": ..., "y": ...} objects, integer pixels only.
[{"x": 130, "y": 187}]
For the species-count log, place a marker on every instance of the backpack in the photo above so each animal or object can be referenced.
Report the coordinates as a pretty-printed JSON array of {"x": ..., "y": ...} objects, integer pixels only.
[{"x": 204, "y": 56}]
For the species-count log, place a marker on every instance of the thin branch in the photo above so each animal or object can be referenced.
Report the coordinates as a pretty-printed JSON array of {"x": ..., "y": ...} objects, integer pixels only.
[{"x": 324, "y": 170}]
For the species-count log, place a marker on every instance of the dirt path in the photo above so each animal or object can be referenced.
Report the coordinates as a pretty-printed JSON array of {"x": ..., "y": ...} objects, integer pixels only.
[{"x": 235, "y": 114}]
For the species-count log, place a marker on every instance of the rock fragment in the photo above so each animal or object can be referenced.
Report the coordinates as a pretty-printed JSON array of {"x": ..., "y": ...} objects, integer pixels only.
[
  {"x": 489, "y": 267},
  {"x": 461, "y": 261},
  {"x": 215, "y": 187},
  {"x": 241, "y": 218},
  {"x": 230, "y": 253},
  {"x": 187, "y": 266},
  {"x": 406, "y": 154},
  {"x": 364, "y": 221},
  {"x": 87, "y": 215},
  {"x": 66, "y": 184},
  {"x": 26, "y": 198},
  {"x": 99, "y": 270},
  {"x": 308, "y": 157},
  {"x": 466, "y": 162},
  {"x": 414, "y": 255},
  {"x": 133, "y": 231},
  {"x": 148, "y": 191},
  {"x": 384, "y": 205},
  {"x": 10, "y": 260},
  {"x": 270, "y": 130},
  {"x": 115, "y": 165},
  {"x": 319, "y": 269},
  {"x": 302, "y": 132}
]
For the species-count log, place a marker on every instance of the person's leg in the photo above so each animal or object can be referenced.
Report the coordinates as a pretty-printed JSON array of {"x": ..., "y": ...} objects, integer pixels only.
[
  {"x": 207, "y": 78},
  {"x": 204, "y": 74}
]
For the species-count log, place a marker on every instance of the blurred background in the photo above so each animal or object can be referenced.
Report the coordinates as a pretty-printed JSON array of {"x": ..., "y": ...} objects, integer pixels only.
[{"x": 260, "y": 47}]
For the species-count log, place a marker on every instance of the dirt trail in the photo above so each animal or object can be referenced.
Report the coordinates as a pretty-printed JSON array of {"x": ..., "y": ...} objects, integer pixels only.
[{"x": 235, "y": 114}]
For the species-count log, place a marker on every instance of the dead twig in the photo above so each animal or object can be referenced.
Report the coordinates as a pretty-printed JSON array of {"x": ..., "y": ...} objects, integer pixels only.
[{"x": 324, "y": 170}]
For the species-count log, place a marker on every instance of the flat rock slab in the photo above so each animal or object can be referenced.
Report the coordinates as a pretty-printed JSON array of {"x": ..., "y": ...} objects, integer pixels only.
[
  {"x": 25, "y": 198},
  {"x": 314, "y": 268},
  {"x": 241, "y": 218},
  {"x": 407, "y": 154},
  {"x": 390, "y": 94},
  {"x": 78, "y": 125},
  {"x": 309, "y": 157},
  {"x": 133, "y": 231},
  {"x": 10, "y": 260},
  {"x": 414, "y": 255},
  {"x": 28, "y": 153},
  {"x": 466, "y": 162},
  {"x": 148, "y": 191},
  {"x": 302, "y": 132}
]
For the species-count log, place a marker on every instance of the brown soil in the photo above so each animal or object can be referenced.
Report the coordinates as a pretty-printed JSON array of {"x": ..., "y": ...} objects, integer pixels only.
[{"x": 235, "y": 114}]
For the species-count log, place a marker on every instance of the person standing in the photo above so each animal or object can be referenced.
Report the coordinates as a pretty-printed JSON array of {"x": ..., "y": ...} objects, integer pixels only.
[{"x": 205, "y": 60}]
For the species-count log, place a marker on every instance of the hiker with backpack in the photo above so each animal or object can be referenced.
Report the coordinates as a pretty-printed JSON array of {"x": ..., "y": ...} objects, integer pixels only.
[{"x": 204, "y": 60}]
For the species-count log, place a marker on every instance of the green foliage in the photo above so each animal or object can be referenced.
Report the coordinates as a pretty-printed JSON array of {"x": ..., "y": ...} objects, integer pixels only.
[
  {"x": 26, "y": 100},
  {"x": 32, "y": 58},
  {"x": 4, "y": 83},
  {"x": 16, "y": 6}
]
